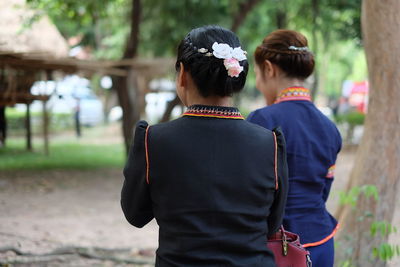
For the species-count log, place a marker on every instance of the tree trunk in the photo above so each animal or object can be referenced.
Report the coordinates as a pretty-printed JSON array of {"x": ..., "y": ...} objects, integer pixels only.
[
  {"x": 315, "y": 15},
  {"x": 127, "y": 89},
  {"x": 281, "y": 14},
  {"x": 378, "y": 157},
  {"x": 133, "y": 41},
  {"x": 243, "y": 10}
]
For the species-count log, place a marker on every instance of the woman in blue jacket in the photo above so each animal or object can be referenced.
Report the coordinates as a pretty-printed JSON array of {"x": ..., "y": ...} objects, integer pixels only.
[{"x": 283, "y": 62}]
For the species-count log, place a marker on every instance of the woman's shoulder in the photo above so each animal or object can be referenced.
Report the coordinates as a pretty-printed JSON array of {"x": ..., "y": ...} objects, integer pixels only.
[
  {"x": 268, "y": 117},
  {"x": 255, "y": 127},
  {"x": 165, "y": 126},
  {"x": 255, "y": 132},
  {"x": 142, "y": 124},
  {"x": 170, "y": 130},
  {"x": 265, "y": 112},
  {"x": 268, "y": 109}
]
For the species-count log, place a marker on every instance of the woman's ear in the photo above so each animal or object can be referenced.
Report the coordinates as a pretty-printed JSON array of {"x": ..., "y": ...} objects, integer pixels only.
[
  {"x": 270, "y": 70},
  {"x": 181, "y": 84},
  {"x": 181, "y": 79}
]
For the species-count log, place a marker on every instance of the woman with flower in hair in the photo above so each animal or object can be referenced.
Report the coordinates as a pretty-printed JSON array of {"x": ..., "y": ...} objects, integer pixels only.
[
  {"x": 283, "y": 62},
  {"x": 215, "y": 183}
]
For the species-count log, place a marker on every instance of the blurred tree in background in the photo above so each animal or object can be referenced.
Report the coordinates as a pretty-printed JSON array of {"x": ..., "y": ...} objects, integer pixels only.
[
  {"x": 332, "y": 27},
  {"x": 111, "y": 31}
]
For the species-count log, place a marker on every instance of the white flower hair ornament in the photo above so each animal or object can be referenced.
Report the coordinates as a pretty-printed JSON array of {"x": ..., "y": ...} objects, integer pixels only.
[{"x": 231, "y": 57}]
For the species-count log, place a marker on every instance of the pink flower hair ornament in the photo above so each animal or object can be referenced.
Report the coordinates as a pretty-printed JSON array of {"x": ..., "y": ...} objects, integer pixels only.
[
  {"x": 231, "y": 57},
  {"x": 233, "y": 67}
]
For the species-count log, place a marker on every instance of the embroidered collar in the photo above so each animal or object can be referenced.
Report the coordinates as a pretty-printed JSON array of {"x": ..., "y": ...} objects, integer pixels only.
[
  {"x": 213, "y": 112},
  {"x": 294, "y": 93}
]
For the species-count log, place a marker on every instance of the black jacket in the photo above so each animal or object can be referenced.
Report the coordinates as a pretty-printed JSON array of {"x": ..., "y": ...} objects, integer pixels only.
[{"x": 216, "y": 184}]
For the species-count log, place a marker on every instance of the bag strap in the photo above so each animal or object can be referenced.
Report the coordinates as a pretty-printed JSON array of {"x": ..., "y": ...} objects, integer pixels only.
[{"x": 284, "y": 242}]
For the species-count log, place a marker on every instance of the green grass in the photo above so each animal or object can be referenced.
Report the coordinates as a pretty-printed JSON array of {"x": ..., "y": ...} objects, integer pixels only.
[{"x": 63, "y": 155}]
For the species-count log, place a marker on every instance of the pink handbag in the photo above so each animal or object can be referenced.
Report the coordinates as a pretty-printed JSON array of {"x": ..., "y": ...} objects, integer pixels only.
[{"x": 288, "y": 251}]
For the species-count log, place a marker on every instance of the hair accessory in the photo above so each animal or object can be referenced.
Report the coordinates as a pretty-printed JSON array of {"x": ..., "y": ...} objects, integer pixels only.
[
  {"x": 202, "y": 50},
  {"x": 304, "y": 48},
  {"x": 230, "y": 55}
]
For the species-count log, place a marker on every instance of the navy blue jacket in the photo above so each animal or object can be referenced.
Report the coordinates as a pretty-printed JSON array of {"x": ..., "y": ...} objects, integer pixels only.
[
  {"x": 210, "y": 181},
  {"x": 313, "y": 143}
]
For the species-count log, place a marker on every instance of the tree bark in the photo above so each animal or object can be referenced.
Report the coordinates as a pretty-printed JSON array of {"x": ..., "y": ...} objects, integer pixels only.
[
  {"x": 243, "y": 10},
  {"x": 126, "y": 87},
  {"x": 315, "y": 15},
  {"x": 281, "y": 21},
  {"x": 378, "y": 157},
  {"x": 280, "y": 15},
  {"x": 133, "y": 41}
]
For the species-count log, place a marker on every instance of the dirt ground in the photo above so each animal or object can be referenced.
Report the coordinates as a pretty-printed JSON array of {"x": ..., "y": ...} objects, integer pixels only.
[
  {"x": 44, "y": 210},
  {"x": 41, "y": 211}
]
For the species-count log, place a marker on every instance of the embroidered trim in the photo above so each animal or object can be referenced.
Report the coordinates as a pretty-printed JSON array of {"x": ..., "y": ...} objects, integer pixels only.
[
  {"x": 323, "y": 240},
  {"x": 147, "y": 154},
  {"x": 276, "y": 162},
  {"x": 294, "y": 93},
  {"x": 213, "y": 112},
  {"x": 331, "y": 172}
]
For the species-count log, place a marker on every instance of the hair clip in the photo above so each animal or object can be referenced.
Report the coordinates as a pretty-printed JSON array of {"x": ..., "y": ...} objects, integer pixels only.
[
  {"x": 204, "y": 51},
  {"x": 295, "y": 48}
]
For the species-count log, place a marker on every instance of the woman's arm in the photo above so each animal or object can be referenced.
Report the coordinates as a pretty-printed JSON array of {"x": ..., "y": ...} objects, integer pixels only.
[
  {"x": 135, "y": 195},
  {"x": 278, "y": 207},
  {"x": 331, "y": 172}
]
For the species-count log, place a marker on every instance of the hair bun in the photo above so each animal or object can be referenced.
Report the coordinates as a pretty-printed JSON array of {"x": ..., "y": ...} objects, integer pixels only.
[
  {"x": 288, "y": 50},
  {"x": 209, "y": 73}
]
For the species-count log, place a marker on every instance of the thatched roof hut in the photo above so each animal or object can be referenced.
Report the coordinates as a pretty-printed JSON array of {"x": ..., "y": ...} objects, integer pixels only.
[
  {"x": 34, "y": 52},
  {"x": 18, "y": 40},
  {"x": 39, "y": 37}
]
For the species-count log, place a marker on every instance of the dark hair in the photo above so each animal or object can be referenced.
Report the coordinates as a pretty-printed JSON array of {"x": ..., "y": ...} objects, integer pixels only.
[
  {"x": 275, "y": 48},
  {"x": 208, "y": 72}
]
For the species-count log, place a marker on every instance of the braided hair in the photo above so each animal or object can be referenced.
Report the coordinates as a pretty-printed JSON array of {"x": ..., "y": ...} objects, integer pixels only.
[{"x": 289, "y": 51}]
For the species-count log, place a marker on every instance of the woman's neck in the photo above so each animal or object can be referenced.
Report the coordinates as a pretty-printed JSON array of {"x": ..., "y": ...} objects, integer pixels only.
[
  {"x": 286, "y": 83},
  {"x": 211, "y": 101}
]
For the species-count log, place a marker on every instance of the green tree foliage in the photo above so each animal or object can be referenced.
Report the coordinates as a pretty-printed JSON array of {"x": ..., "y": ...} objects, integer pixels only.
[
  {"x": 166, "y": 22},
  {"x": 332, "y": 27},
  {"x": 101, "y": 24}
]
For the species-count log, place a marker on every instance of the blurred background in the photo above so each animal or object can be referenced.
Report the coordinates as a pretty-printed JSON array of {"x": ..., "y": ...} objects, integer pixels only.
[{"x": 75, "y": 76}]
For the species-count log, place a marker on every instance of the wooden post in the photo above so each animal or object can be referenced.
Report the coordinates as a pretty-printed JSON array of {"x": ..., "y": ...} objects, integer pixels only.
[
  {"x": 45, "y": 128},
  {"x": 47, "y": 76},
  {"x": 28, "y": 127},
  {"x": 3, "y": 126}
]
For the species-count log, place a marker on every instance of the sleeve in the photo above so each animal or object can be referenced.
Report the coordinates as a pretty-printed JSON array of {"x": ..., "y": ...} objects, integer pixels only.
[
  {"x": 278, "y": 207},
  {"x": 331, "y": 172},
  {"x": 135, "y": 194}
]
